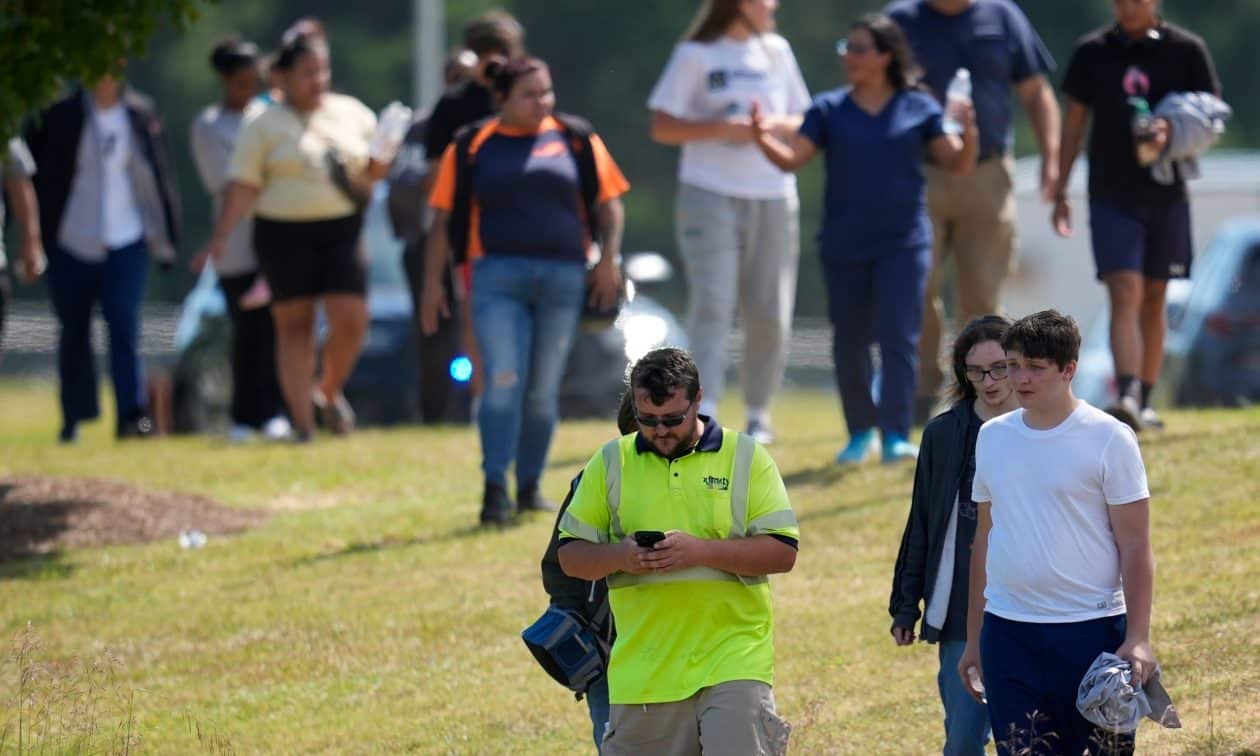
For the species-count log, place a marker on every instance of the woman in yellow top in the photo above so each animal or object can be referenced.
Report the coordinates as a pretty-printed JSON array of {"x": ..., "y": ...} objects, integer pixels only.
[
  {"x": 303, "y": 168},
  {"x": 538, "y": 189}
]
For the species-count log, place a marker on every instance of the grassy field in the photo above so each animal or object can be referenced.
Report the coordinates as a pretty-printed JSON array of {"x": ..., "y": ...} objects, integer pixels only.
[{"x": 367, "y": 614}]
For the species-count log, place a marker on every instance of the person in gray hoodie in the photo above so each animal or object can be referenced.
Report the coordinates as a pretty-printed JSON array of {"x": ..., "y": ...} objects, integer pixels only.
[{"x": 933, "y": 562}]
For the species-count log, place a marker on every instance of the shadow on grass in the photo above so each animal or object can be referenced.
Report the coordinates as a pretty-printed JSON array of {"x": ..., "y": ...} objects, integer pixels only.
[
  {"x": 823, "y": 475},
  {"x": 570, "y": 463},
  {"x": 392, "y": 543},
  {"x": 26, "y": 531},
  {"x": 843, "y": 509},
  {"x": 36, "y": 567},
  {"x": 830, "y": 473},
  {"x": 1181, "y": 438}
]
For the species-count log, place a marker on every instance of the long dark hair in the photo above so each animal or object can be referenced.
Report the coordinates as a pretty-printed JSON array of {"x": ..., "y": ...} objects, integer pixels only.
[
  {"x": 712, "y": 20},
  {"x": 978, "y": 331},
  {"x": 504, "y": 75},
  {"x": 903, "y": 70}
]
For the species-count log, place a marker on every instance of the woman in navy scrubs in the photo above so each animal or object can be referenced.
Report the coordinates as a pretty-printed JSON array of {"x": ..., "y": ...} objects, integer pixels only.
[{"x": 876, "y": 238}]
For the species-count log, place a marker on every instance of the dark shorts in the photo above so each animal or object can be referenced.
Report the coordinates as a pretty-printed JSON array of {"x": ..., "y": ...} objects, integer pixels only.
[
  {"x": 304, "y": 259},
  {"x": 1153, "y": 241}
]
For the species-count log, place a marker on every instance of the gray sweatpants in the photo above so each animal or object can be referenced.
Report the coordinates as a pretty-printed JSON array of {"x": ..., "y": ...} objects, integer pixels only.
[{"x": 739, "y": 253}]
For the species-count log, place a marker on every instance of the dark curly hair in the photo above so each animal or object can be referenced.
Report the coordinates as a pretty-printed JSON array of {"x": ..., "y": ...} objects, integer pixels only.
[{"x": 661, "y": 372}]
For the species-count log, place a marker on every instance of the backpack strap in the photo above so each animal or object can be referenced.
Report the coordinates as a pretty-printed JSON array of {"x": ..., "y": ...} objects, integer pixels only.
[
  {"x": 578, "y": 133},
  {"x": 459, "y": 225}
]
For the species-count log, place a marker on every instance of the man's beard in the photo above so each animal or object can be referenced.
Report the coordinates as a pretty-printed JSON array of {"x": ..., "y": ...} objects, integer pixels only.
[{"x": 683, "y": 446}]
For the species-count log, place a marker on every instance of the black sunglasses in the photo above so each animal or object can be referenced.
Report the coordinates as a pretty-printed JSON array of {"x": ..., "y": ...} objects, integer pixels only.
[{"x": 669, "y": 421}]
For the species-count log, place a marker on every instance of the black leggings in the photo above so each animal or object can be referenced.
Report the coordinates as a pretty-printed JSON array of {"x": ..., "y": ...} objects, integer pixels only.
[{"x": 255, "y": 388}]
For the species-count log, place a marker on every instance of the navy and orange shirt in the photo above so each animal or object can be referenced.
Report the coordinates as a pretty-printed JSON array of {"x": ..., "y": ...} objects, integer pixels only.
[{"x": 526, "y": 197}]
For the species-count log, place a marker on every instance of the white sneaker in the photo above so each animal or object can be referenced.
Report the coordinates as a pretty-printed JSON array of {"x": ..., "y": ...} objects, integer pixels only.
[
  {"x": 761, "y": 432},
  {"x": 240, "y": 434},
  {"x": 277, "y": 428},
  {"x": 1151, "y": 419}
]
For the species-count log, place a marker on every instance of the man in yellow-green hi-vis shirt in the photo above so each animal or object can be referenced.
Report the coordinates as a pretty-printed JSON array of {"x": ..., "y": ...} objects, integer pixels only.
[{"x": 693, "y": 664}]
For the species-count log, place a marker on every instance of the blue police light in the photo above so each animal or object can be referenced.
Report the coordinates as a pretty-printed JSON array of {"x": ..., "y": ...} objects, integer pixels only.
[{"x": 461, "y": 369}]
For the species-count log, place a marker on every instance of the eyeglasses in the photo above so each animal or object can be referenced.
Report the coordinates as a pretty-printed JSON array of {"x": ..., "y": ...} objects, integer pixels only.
[
  {"x": 976, "y": 375},
  {"x": 669, "y": 421},
  {"x": 845, "y": 47}
]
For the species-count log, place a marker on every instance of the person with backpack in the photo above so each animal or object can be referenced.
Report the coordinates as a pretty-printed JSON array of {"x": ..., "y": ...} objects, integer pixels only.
[
  {"x": 587, "y": 598},
  {"x": 737, "y": 217},
  {"x": 686, "y": 520},
  {"x": 525, "y": 196}
]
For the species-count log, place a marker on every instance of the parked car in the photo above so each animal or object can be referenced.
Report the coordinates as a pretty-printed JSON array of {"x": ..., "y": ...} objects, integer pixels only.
[
  {"x": 386, "y": 383},
  {"x": 1212, "y": 351}
]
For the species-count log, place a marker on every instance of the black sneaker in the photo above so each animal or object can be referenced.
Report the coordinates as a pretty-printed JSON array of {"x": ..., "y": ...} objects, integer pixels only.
[
  {"x": 1128, "y": 411},
  {"x": 140, "y": 426},
  {"x": 530, "y": 499},
  {"x": 69, "y": 434},
  {"x": 496, "y": 506}
]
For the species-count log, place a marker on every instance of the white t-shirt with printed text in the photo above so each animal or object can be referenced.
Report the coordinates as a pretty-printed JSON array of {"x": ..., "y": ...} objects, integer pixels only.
[
  {"x": 120, "y": 220},
  {"x": 709, "y": 81},
  {"x": 1052, "y": 556}
]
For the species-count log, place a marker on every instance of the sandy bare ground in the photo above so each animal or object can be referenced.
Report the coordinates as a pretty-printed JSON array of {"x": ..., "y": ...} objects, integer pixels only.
[{"x": 41, "y": 515}]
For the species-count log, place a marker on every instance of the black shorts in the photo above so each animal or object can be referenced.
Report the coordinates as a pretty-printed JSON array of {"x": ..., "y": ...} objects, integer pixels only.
[
  {"x": 1153, "y": 241},
  {"x": 304, "y": 259}
]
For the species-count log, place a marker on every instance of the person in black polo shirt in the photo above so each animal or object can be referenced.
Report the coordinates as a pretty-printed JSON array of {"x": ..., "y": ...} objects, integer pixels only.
[{"x": 1140, "y": 229}]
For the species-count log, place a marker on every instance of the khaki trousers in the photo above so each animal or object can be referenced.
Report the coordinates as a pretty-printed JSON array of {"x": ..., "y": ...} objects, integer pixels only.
[
  {"x": 973, "y": 224},
  {"x": 734, "y": 718}
]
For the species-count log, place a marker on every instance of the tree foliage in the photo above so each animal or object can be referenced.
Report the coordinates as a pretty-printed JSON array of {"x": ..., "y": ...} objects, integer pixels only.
[{"x": 47, "y": 42}]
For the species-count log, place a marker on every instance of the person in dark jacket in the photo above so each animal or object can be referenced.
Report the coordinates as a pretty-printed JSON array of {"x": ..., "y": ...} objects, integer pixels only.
[
  {"x": 107, "y": 203},
  {"x": 586, "y": 597},
  {"x": 933, "y": 565}
]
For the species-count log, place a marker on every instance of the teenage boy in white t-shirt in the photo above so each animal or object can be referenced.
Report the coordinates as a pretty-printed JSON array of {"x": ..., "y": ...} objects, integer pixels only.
[{"x": 1062, "y": 567}]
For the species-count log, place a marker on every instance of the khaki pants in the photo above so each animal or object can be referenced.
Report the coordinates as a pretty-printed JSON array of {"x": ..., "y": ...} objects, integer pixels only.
[
  {"x": 734, "y": 718},
  {"x": 973, "y": 223}
]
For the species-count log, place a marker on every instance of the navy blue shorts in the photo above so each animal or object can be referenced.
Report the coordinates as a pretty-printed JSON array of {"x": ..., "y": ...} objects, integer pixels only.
[
  {"x": 1032, "y": 672},
  {"x": 1153, "y": 241}
]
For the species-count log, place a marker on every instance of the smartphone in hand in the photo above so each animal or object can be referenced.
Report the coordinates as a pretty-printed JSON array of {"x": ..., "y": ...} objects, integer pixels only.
[{"x": 648, "y": 538}]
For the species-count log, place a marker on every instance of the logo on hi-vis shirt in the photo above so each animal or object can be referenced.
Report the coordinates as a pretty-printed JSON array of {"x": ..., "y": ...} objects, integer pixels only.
[{"x": 715, "y": 483}]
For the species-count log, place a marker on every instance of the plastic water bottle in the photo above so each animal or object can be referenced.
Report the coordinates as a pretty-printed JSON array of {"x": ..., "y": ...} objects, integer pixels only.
[
  {"x": 957, "y": 95},
  {"x": 391, "y": 127},
  {"x": 1142, "y": 125}
]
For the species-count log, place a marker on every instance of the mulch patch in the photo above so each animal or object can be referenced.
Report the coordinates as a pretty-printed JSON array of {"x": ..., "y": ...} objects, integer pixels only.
[{"x": 42, "y": 515}]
